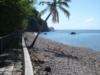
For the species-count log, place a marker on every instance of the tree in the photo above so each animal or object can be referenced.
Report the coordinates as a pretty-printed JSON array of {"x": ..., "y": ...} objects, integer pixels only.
[
  {"x": 35, "y": 22},
  {"x": 14, "y": 14},
  {"x": 52, "y": 7}
]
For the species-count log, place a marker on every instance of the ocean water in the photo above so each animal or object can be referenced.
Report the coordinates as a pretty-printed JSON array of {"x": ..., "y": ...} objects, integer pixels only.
[{"x": 82, "y": 38}]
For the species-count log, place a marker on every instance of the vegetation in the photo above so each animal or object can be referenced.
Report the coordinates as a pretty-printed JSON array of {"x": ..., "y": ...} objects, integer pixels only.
[
  {"x": 53, "y": 11},
  {"x": 36, "y": 22},
  {"x": 14, "y": 15},
  {"x": 52, "y": 7},
  {"x": 51, "y": 29}
]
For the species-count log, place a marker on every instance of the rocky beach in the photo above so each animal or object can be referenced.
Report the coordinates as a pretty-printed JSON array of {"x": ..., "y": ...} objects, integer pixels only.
[{"x": 53, "y": 58}]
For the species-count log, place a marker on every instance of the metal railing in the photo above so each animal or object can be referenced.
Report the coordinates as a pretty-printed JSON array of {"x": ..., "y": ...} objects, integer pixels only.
[
  {"x": 6, "y": 42},
  {"x": 9, "y": 45},
  {"x": 11, "y": 72}
]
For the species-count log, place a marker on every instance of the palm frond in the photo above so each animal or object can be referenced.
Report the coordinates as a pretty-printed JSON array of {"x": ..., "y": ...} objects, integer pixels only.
[
  {"x": 44, "y": 10},
  {"x": 66, "y": 12},
  {"x": 55, "y": 15},
  {"x": 53, "y": 9},
  {"x": 63, "y": 3},
  {"x": 44, "y": 2},
  {"x": 67, "y": 0}
]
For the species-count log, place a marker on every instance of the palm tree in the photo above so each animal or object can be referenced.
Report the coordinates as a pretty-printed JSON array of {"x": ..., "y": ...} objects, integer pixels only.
[{"x": 53, "y": 11}]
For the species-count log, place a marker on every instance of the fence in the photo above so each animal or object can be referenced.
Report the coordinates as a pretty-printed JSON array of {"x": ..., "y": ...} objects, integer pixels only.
[
  {"x": 7, "y": 62},
  {"x": 11, "y": 72},
  {"x": 7, "y": 42}
]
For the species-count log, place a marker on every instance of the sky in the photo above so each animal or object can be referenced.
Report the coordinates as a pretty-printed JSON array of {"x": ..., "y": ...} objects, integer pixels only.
[{"x": 85, "y": 14}]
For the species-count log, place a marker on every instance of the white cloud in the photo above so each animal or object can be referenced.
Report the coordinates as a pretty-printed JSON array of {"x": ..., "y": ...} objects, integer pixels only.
[
  {"x": 73, "y": 17},
  {"x": 90, "y": 21}
]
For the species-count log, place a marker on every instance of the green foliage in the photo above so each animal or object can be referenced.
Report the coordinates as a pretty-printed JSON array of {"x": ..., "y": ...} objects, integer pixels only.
[
  {"x": 36, "y": 22},
  {"x": 14, "y": 15}
]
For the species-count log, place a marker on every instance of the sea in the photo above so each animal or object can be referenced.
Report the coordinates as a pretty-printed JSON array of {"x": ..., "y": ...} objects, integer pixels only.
[{"x": 80, "y": 38}]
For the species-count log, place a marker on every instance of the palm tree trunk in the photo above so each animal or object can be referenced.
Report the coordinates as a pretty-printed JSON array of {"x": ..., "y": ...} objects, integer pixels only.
[
  {"x": 34, "y": 40},
  {"x": 39, "y": 32},
  {"x": 48, "y": 16}
]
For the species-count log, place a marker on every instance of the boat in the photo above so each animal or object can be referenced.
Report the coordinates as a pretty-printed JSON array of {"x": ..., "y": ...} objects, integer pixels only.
[{"x": 73, "y": 33}]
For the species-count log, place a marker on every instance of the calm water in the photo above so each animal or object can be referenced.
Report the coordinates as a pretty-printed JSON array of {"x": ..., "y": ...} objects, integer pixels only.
[{"x": 83, "y": 38}]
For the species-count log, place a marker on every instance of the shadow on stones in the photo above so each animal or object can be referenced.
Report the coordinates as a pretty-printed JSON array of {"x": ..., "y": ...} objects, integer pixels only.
[
  {"x": 66, "y": 55},
  {"x": 58, "y": 53},
  {"x": 10, "y": 55}
]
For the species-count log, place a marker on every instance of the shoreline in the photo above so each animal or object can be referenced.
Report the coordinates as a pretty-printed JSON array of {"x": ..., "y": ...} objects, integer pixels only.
[
  {"x": 85, "y": 39},
  {"x": 63, "y": 59}
]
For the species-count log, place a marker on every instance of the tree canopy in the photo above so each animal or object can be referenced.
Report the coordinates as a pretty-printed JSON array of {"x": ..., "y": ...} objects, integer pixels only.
[
  {"x": 53, "y": 7},
  {"x": 14, "y": 14}
]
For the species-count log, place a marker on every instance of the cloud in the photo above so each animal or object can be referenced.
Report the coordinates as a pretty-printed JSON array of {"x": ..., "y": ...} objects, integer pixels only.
[
  {"x": 90, "y": 21},
  {"x": 74, "y": 17}
]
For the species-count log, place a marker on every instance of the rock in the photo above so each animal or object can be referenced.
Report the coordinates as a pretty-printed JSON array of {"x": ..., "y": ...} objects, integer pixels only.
[
  {"x": 73, "y": 33},
  {"x": 47, "y": 68}
]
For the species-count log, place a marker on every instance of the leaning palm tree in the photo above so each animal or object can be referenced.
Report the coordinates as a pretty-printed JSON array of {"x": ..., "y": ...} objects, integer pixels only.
[{"x": 53, "y": 11}]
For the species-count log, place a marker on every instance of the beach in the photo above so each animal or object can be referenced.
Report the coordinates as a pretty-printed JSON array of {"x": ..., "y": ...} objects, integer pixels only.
[{"x": 52, "y": 58}]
